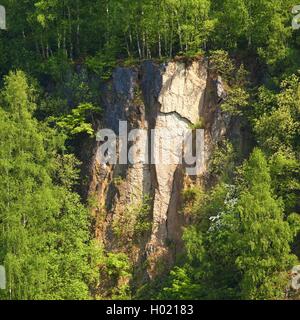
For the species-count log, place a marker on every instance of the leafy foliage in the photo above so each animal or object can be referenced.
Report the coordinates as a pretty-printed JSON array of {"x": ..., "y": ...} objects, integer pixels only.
[
  {"x": 244, "y": 249},
  {"x": 244, "y": 224},
  {"x": 45, "y": 244},
  {"x": 75, "y": 122}
]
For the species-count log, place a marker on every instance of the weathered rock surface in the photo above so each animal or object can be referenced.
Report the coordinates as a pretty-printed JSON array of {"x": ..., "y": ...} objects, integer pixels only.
[
  {"x": 183, "y": 90},
  {"x": 170, "y": 97}
]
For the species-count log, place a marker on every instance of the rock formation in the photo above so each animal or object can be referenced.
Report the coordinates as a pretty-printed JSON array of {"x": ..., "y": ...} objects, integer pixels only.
[{"x": 175, "y": 96}]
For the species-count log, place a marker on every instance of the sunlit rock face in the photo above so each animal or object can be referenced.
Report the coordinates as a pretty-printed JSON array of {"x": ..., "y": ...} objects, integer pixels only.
[
  {"x": 181, "y": 100},
  {"x": 170, "y": 98},
  {"x": 183, "y": 90}
]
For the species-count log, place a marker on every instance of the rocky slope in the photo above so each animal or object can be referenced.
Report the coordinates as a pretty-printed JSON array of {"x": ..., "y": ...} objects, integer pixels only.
[{"x": 139, "y": 206}]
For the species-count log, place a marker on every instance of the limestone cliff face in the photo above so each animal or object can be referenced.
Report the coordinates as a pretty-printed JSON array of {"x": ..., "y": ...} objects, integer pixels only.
[{"x": 173, "y": 96}]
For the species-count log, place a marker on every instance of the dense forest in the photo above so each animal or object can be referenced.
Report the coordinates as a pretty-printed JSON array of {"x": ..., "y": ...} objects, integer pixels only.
[{"x": 243, "y": 241}]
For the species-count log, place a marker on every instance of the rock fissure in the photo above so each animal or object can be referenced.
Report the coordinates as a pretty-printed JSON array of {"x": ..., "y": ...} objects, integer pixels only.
[{"x": 181, "y": 118}]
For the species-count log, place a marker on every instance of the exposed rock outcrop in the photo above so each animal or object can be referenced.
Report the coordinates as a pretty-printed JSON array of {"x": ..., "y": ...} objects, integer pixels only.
[{"x": 173, "y": 97}]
